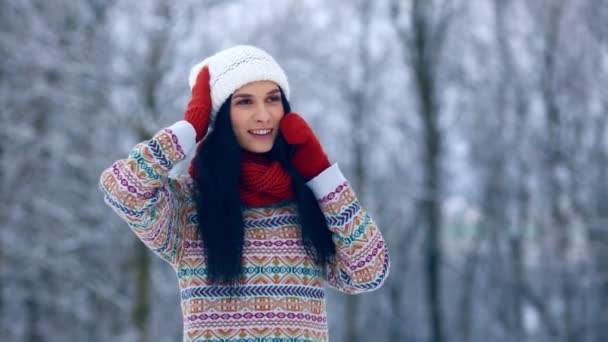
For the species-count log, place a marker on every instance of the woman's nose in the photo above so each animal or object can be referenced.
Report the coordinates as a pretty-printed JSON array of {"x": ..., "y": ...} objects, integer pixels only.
[{"x": 262, "y": 114}]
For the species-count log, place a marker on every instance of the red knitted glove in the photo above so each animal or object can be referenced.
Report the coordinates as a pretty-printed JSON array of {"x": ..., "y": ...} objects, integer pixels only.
[
  {"x": 199, "y": 107},
  {"x": 309, "y": 158}
]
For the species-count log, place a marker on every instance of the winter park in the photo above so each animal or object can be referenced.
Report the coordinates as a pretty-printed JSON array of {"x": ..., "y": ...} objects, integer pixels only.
[{"x": 304, "y": 171}]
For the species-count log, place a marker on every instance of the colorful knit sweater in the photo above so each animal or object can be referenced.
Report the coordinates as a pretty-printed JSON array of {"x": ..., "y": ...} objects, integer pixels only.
[{"x": 282, "y": 298}]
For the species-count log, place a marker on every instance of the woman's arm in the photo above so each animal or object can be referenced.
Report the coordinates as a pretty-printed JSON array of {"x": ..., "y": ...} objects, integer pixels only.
[
  {"x": 362, "y": 259},
  {"x": 139, "y": 190}
]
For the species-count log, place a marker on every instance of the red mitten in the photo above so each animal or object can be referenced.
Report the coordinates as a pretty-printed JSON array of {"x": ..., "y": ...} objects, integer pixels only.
[
  {"x": 309, "y": 158},
  {"x": 199, "y": 107}
]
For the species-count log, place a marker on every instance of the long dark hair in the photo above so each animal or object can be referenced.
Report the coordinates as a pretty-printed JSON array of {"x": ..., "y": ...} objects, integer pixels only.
[{"x": 220, "y": 222}]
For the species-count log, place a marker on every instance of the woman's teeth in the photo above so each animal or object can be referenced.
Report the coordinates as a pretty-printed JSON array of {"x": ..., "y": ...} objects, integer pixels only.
[{"x": 260, "y": 131}]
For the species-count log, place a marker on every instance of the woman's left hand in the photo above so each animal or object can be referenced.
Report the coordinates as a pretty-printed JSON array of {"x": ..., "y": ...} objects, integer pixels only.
[{"x": 309, "y": 158}]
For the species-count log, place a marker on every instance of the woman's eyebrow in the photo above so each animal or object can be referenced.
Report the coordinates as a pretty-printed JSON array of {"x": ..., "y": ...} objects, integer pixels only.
[
  {"x": 241, "y": 95},
  {"x": 274, "y": 91}
]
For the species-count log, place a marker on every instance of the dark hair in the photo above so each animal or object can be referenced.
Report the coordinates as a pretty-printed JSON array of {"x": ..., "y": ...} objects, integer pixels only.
[{"x": 220, "y": 222}]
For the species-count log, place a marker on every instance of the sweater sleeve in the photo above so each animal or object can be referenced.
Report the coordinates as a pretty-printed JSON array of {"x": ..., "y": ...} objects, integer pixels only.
[
  {"x": 362, "y": 259},
  {"x": 139, "y": 190}
]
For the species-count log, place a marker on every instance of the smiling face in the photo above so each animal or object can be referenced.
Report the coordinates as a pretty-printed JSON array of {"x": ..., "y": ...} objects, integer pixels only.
[{"x": 255, "y": 112}]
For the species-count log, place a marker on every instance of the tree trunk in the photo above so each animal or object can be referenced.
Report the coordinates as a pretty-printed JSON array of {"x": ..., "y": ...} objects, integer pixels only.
[
  {"x": 429, "y": 205},
  {"x": 506, "y": 83},
  {"x": 555, "y": 160},
  {"x": 422, "y": 45}
]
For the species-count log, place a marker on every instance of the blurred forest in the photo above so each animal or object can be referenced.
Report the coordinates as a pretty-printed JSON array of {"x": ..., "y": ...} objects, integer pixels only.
[{"x": 475, "y": 133}]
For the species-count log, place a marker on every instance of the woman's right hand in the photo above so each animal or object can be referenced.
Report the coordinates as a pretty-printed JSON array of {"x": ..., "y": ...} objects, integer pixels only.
[{"x": 198, "y": 111}]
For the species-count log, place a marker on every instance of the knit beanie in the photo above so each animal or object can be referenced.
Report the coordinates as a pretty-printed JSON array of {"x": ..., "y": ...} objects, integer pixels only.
[{"x": 234, "y": 67}]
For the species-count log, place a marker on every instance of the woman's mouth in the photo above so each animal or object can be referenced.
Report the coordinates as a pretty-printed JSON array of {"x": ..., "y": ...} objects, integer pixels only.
[{"x": 261, "y": 133}]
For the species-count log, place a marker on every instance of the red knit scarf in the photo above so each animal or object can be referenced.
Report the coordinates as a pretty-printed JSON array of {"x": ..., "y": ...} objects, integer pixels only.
[{"x": 263, "y": 181}]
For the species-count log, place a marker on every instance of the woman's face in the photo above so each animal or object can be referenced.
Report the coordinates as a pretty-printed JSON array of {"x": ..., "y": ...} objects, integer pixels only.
[{"x": 255, "y": 112}]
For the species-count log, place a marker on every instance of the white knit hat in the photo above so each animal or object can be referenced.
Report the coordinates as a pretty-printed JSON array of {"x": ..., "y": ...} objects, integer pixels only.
[{"x": 232, "y": 68}]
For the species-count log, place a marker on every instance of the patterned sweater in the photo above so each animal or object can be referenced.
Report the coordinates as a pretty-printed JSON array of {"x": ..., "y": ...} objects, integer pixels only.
[{"x": 282, "y": 298}]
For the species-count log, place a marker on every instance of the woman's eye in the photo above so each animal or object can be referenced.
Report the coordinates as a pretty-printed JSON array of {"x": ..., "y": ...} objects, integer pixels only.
[
  {"x": 243, "y": 102},
  {"x": 274, "y": 98}
]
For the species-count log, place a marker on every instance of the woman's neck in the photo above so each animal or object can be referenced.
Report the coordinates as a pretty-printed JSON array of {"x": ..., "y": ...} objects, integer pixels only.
[{"x": 257, "y": 158}]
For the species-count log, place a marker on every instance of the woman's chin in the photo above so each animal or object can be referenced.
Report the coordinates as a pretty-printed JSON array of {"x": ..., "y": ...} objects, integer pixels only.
[{"x": 258, "y": 148}]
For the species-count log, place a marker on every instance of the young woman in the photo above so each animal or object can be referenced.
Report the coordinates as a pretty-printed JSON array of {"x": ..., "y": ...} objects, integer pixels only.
[{"x": 261, "y": 218}]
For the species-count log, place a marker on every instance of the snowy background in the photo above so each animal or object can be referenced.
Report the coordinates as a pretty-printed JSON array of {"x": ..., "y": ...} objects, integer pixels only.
[{"x": 475, "y": 133}]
